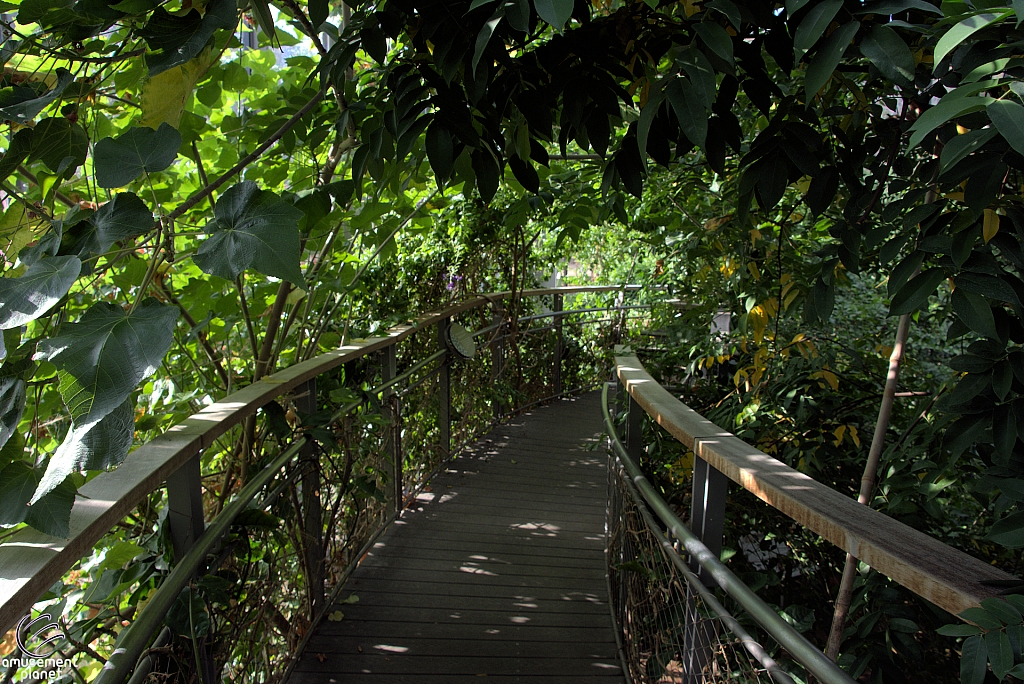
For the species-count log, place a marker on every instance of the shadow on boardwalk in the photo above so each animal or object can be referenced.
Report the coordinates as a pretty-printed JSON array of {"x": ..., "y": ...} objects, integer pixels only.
[{"x": 496, "y": 574}]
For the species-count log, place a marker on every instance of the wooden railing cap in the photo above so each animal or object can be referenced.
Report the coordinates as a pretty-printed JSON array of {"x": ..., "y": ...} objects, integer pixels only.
[{"x": 948, "y": 577}]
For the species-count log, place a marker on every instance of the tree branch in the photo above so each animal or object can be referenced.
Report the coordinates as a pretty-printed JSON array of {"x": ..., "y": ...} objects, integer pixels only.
[{"x": 200, "y": 195}]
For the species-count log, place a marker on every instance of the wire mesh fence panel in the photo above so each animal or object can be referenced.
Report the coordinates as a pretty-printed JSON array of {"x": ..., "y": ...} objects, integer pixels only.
[{"x": 669, "y": 635}]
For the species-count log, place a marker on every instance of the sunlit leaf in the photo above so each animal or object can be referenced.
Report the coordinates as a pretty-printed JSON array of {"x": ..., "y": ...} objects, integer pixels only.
[
  {"x": 27, "y": 298},
  {"x": 101, "y": 358},
  {"x": 254, "y": 229}
]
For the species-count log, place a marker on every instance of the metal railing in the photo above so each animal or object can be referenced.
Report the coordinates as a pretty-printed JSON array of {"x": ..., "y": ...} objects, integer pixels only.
[
  {"x": 673, "y": 627},
  {"x": 650, "y": 590},
  {"x": 302, "y": 467}
]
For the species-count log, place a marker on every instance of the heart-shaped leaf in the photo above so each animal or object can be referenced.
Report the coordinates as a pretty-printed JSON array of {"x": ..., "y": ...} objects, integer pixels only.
[
  {"x": 95, "y": 447},
  {"x": 123, "y": 218},
  {"x": 27, "y": 298},
  {"x": 141, "y": 150},
  {"x": 254, "y": 229},
  {"x": 101, "y": 358},
  {"x": 59, "y": 143}
]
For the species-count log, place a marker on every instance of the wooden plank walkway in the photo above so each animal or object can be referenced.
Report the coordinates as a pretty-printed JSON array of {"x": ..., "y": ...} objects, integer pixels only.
[{"x": 498, "y": 571}]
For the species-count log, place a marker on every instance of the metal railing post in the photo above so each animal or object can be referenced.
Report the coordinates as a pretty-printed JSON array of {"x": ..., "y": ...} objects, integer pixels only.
[
  {"x": 187, "y": 523},
  {"x": 634, "y": 429},
  {"x": 390, "y": 407},
  {"x": 185, "y": 506},
  {"x": 557, "y": 309},
  {"x": 444, "y": 392},
  {"x": 707, "y": 512},
  {"x": 312, "y": 509},
  {"x": 620, "y": 322},
  {"x": 497, "y": 356}
]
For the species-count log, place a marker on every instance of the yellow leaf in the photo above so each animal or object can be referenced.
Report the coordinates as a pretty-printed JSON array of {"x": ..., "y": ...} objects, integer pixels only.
[
  {"x": 990, "y": 225},
  {"x": 336, "y": 616},
  {"x": 853, "y": 435},
  {"x": 839, "y": 432},
  {"x": 754, "y": 270},
  {"x": 164, "y": 96},
  {"x": 831, "y": 379}
]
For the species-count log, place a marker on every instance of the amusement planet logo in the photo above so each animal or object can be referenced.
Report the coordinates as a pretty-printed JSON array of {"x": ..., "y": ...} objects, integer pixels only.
[{"x": 34, "y": 651}]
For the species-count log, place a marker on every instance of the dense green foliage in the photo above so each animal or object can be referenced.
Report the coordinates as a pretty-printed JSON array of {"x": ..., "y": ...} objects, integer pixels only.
[{"x": 183, "y": 214}]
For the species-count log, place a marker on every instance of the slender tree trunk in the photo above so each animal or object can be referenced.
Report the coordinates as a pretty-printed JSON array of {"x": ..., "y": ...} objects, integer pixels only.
[{"x": 868, "y": 481}]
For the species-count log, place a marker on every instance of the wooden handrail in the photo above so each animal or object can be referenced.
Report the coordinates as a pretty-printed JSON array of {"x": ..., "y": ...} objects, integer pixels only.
[
  {"x": 947, "y": 577},
  {"x": 30, "y": 562}
]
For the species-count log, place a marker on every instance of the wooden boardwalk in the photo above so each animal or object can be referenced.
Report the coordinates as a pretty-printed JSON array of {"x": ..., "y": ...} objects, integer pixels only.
[{"x": 496, "y": 575}]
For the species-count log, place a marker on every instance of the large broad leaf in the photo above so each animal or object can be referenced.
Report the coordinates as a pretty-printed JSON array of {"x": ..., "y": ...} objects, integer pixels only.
[
  {"x": 701, "y": 73},
  {"x": 974, "y": 311},
  {"x": 555, "y": 12},
  {"x": 1009, "y": 119},
  {"x": 1009, "y": 531},
  {"x": 27, "y": 298},
  {"x": 965, "y": 29},
  {"x": 643, "y": 126},
  {"x": 716, "y": 38},
  {"x": 101, "y": 358},
  {"x": 319, "y": 10},
  {"x": 973, "y": 661},
  {"x": 689, "y": 110},
  {"x": 822, "y": 190},
  {"x": 22, "y": 103},
  {"x": 12, "y": 405},
  {"x": 828, "y": 56},
  {"x": 60, "y": 144},
  {"x": 440, "y": 151},
  {"x": 254, "y": 229},
  {"x": 962, "y": 145},
  {"x": 915, "y": 293},
  {"x": 17, "y": 152},
  {"x": 483, "y": 38},
  {"x": 17, "y": 482},
  {"x": 813, "y": 25},
  {"x": 95, "y": 447},
  {"x": 141, "y": 150},
  {"x": 948, "y": 108},
  {"x": 1000, "y": 653},
  {"x": 123, "y": 218},
  {"x": 165, "y": 95},
  {"x": 52, "y": 513},
  {"x": 181, "y": 38},
  {"x": 889, "y": 54}
]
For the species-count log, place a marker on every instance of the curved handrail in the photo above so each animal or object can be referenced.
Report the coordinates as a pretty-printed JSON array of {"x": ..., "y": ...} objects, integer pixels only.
[
  {"x": 949, "y": 578},
  {"x": 30, "y": 562},
  {"x": 806, "y": 653}
]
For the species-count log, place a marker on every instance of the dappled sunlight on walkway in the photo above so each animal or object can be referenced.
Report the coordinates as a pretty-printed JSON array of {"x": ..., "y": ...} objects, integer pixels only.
[{"x": 497, "y": 570}]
